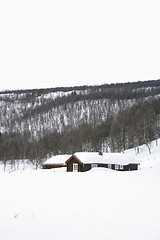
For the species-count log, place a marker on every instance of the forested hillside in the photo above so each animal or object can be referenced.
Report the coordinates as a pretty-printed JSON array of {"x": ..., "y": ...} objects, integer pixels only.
[{"x": 36, "y": 124}]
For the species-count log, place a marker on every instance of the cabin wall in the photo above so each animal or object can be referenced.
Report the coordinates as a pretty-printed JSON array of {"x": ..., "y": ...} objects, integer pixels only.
[
  {"x": 133, "y": 166},
  {"x": 129, "y": 167},
  {"x": 103, "y": 165},
  {"x": 49, "y": 166},
  {"x": 86, "y": 167}
]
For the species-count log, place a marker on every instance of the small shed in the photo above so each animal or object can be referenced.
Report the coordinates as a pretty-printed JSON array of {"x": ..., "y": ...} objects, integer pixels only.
[
  {"x": 84, "y": 161},
  {"x": 56, "y": 162}
]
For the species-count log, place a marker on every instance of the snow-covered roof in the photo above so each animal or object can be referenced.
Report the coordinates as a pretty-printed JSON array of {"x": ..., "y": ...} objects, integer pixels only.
[
  {"x": 59, "y": 159},
  {"x": 95, "y": 157},
  {"x": 107, "y": 158}
]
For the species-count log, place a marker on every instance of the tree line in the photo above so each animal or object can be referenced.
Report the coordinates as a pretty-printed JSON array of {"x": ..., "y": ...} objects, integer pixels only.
[{"x": 131, "y": 127}]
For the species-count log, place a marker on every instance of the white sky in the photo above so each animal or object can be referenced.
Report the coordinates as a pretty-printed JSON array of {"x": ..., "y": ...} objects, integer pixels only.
[{"x": 50, "y": 43}]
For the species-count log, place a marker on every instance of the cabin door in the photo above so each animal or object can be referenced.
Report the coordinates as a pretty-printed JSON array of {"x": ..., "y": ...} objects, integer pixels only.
[{"x": 75, "y": 167}]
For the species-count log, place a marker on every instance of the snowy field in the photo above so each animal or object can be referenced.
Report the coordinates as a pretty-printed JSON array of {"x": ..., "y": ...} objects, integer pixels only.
[{"x": 95, "y": 205}]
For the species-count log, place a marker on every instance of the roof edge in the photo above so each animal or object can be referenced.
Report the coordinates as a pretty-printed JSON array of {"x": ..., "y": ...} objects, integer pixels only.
[{"x": 76, "y": 158}]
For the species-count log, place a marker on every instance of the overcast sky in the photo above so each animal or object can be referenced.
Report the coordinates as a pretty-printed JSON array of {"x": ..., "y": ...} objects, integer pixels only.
[{"x": 50, "y": 43}]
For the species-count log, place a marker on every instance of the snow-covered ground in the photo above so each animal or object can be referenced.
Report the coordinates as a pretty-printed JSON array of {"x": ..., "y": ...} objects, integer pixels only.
[{"x": 96, "y": 205}]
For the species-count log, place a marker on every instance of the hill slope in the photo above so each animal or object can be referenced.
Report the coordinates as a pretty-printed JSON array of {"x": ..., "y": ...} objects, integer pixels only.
[{"x": 39, "y": 123}]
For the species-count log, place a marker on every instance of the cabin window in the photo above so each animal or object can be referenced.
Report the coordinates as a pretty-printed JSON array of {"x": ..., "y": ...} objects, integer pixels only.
[
  {"x": 110, "y": 166},
  {"x": 116, "y": 167},
  {"x": 121, "y": 167},
  {"x": 94, "y": 165}
]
